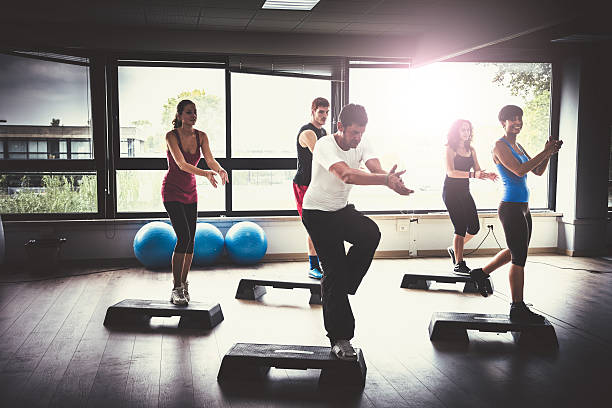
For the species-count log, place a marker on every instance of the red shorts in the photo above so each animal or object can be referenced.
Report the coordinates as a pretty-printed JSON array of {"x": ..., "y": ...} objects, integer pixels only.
[{"x": 299, "y": 192}]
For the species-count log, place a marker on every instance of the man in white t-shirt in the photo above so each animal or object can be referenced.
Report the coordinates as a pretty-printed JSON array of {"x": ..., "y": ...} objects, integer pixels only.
[{"x": 330, "y": 220}]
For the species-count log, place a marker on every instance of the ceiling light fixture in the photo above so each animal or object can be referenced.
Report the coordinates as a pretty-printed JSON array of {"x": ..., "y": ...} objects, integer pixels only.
[{"x": 290, "y": 4}]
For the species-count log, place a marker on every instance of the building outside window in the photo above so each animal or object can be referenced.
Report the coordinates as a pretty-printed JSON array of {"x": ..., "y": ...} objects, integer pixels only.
[{"x": 49, "y": 115}]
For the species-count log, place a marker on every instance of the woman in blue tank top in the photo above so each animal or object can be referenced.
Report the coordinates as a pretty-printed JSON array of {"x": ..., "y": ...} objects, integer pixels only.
[{"x": 513, "y": 164}]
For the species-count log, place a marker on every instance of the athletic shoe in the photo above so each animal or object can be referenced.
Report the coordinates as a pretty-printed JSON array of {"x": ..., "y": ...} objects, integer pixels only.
[
  {"x": 315, "y": 273},
  {"x": 177, "y": 297},
  {"x": 520, "y": 312},
  {"x": 451, "y": 252},
  {"x": 186, "y": 291},
  {"x": 461, "y": 269},
  {"x": 483, "y": 284},
  {"x": 344, "y": 351}
]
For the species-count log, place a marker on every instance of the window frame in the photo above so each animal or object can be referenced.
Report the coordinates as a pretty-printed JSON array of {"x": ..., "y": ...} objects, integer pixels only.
[
  {"x": 47, "y": 166},
  {"x": 116, "y": 162},
  {"x": 229, "y": 163},
  {"x": 365, "y": 63},
  {"x": 106, "y": 161}
]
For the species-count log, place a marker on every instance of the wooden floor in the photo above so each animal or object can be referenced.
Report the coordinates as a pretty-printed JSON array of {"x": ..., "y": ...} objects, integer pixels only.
[{"x": 55, "y": 351}]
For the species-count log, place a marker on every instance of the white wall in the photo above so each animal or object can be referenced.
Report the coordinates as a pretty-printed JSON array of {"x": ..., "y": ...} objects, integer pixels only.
[{"x": 430, "y": 235}]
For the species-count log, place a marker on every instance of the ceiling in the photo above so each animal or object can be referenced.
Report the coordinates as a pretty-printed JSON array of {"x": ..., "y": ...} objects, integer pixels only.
[{"x": 431, "y": 29}]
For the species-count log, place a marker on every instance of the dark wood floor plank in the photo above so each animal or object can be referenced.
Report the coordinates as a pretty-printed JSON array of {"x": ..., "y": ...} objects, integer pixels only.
[
  {"x": 176, "y": 381},
  {"x": 439, "y": 384},
  {"x": 77, "y": 381},
  {"x": 29, "y": 355},
  {"x": 28, "y": 321},
  {"x": 9, "y": 292},
  {"x": 109, "y": 386},
  {"x": 414, "y": 393},
  {"x": 53, "y": 329},
  {"x": 381, "y": 391},
  {"x": 52, "y": 367},
  {"x": 12, "y": 316},
  {"x": 205, "y": 361},
  {"x": 142, "y": 388}
]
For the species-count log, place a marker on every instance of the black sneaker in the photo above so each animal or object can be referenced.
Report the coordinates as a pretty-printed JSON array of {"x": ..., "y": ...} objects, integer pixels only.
[
  {"x": 461, "y": 269},
  {"x": 483, "y": 284},
  {"x": 521, "y": 313},
  {"x": 451, "y": 252}
]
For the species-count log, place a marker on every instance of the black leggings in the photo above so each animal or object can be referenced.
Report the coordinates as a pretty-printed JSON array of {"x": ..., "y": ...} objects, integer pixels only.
[
  {"x": 516, "y": 220},
  {"x": 342, "y": 272},
  {"x": 461, "y": 209},
  {"x": 183, "y": 218}
]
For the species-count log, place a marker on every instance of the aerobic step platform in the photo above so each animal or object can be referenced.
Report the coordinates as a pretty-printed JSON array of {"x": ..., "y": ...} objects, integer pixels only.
[
  {"x": 448, "y": 326},
  {"x": 253, "y": 289},
  {"x": 248, "y": 361},
  {"x": 423, "y": 281},
  {"x": 196, "y": 315}
]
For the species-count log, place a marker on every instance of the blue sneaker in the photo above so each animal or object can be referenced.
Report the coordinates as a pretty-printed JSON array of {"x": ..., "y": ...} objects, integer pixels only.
[{"x": 315, "y": 273}]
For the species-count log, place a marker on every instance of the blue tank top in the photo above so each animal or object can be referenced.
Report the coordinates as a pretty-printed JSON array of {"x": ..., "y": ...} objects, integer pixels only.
[{"x": 515, "y": 187}]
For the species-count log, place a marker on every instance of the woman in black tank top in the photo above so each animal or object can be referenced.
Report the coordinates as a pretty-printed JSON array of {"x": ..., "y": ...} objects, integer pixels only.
[{"x": 461, "y": 165}]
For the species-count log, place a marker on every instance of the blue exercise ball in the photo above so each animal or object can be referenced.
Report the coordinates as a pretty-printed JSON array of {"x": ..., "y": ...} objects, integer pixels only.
[
  {"x": 246, "y": 242},
  {"x": 154, "y": 244},
  {"x": 208, "y": 245}
]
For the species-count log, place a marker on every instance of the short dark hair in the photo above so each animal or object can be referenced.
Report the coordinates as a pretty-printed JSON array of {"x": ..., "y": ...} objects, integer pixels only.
[
  {"x": 509, "y": 112},
  {"x": 319, "y": 102},
  {"x": 352, "y": 114}
]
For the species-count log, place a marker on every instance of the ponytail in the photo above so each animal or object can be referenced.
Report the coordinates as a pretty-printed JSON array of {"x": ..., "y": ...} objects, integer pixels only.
[{"x": 176, "y": 121}]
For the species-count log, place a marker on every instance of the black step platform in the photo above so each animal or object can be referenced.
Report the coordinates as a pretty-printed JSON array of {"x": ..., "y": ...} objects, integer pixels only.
[
  {"x": 248, "y": 361},
  {"x": 423, "y": 281},
  {"x": 448, "y": 326},
  {"x": 253, "y": 289},
  {"x": 196, "y": 315}
]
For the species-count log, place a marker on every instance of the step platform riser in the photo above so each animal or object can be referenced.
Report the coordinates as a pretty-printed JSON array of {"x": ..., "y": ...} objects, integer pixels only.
[
  {"x": 453, "y": 327},
  {"x": 252, "y": 362},
  {"x": 415, "y": 281},
  {"x": 136, "y": 312},
  {"x": 252, "y": 289}
]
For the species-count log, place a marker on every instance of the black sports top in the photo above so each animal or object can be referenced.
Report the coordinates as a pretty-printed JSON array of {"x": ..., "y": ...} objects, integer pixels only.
[
  {"x": 462, "y": 163},
  {"x": 304, "y": 156}
]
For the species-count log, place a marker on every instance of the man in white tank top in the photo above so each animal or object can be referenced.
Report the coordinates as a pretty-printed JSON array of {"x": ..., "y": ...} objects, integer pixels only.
[{"x": 330, "y": 220}]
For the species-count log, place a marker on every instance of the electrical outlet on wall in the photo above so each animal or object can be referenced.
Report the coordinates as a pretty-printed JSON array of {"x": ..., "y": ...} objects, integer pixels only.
[
  {"x": 488, "y": 223},
  {"x": 403, "y": 225}
]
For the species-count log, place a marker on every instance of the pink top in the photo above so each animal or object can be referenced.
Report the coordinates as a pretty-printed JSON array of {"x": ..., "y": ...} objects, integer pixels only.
[{"x": 178, "y": 185}]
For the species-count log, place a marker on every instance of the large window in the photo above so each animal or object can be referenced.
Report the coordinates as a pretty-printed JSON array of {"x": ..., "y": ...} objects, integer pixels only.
[
  {"x": 140, "y": 191},
  {"x": 420, "y": 104},
  {"x": 148, "y": 97},
  {"x": 268, "y": 111},
  {"x": 263, "y": 190},
  {"x": 17, "y": 149},
  {"x": 81, "y": 138},
  {"x": 48, "y": 193},
  {"x": 145, "y": 116},
  {"x": 45, "y": 115},
  {"x": 44, "y": 98}
]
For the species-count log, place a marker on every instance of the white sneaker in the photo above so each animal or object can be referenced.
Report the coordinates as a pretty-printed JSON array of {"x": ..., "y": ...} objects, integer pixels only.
[
  {"x": 344, "y": 351},
  {"x": 186, "y": 291},
  {"x": 177, "y": 297}
]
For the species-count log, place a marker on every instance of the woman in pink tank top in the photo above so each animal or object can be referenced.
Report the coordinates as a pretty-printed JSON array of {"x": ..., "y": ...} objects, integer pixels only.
[{"x": 185, "y": 146}]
